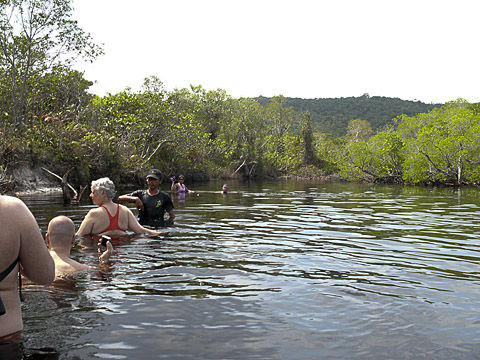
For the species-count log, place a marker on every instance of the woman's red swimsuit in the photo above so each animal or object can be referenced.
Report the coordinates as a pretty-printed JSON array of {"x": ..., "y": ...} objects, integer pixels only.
[{"x": 113, "y": 220}]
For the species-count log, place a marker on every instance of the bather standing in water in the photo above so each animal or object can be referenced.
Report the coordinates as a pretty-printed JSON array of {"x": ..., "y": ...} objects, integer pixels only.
[
  {"x": 60, "y": 237},
  {"x": 180, "y": 187},
  {"x": 21, "y": 247},
  {"x": 109, "y": 218},
  {"x": 224, "y": 190},
  {"x": 152, "y": 203}
]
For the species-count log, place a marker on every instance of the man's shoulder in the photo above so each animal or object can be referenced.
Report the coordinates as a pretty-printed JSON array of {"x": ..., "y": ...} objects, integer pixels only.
[
  {"x": 161, "y": 194},
  {"x": 65, "y": 264},
  {"x": 66, "y": 268}
]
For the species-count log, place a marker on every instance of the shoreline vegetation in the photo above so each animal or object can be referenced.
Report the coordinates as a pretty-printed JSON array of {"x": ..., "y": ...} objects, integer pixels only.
[
  {"x": 440, "y": 147},
  {"x": 209, "y": 135},
  {"x": 50, "y": 120},
  {"x": 37, "y": 181}
]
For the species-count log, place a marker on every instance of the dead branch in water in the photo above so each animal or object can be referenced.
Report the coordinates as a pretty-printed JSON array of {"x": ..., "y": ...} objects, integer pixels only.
[{"x": 65, "y": 186}]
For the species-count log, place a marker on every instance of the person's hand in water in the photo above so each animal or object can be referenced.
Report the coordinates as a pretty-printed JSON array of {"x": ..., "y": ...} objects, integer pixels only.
[{"x": 105, "y": 256}]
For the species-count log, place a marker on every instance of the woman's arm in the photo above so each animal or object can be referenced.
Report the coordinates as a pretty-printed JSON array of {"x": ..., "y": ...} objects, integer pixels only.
[
  {"x": 36, "y": 262},
  {"x": 134, "y": 225},
  {"x": 87, "y": 225}
]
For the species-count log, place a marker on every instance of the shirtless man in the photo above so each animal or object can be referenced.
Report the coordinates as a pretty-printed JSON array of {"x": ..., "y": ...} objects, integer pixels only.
[
  {"x": 20, "y": 239},
  {"x": 109, "y": 218},
  {"x": 60, "y": 237}
]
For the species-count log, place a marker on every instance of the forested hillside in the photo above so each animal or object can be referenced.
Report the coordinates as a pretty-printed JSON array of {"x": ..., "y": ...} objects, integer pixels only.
[{"x": 332, "y": 115}]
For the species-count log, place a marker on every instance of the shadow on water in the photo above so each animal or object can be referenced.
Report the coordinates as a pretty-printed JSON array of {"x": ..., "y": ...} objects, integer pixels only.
[{"x": 273, "y": 270}]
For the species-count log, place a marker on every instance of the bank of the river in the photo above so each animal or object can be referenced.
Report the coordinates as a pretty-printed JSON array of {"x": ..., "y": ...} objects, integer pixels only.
[{"x": 25, "y": 180}]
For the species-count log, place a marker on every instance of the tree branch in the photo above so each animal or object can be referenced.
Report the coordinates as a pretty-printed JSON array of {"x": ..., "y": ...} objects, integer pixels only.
[
  {"x": 63, "y": 180},
  {"x": 155, "y": 151}
]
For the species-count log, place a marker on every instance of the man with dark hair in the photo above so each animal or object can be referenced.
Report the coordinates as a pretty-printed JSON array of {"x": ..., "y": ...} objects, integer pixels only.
[{"x": 151, "y": 203}]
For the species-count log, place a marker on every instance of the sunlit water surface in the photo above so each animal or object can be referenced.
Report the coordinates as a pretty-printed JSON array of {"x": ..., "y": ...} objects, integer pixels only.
[{"x": 277, "y": 270}]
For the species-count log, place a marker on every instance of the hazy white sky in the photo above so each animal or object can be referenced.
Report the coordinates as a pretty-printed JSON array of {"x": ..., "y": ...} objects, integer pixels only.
[{"x": 410, "y": 49}]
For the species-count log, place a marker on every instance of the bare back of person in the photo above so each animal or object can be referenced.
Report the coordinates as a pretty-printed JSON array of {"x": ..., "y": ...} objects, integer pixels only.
[
  {"x": 102, "y": 222},
  {"x": 64, "y": 265},
  {"x": 20, "y": 238},
  {"x": 109, "y": 218},
  {"x": 60, "y": 237}
]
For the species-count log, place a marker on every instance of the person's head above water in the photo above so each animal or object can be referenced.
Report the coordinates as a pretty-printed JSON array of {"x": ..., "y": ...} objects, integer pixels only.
[
  {"x": 104, "y": 185},
  {"x": 225, "y": 188},
  {"x": 154, "y": 179},
  {"x": 61, "y": 232},
  {"x": 154, "y": 174}
]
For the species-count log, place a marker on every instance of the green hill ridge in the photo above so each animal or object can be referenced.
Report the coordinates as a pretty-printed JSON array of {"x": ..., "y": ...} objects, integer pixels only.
[{"x": 331, "y": 115}]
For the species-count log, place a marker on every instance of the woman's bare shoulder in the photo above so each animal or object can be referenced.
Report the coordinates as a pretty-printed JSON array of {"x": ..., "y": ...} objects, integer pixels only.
[
  {"x": 124, "y": 208},
  {"x": 10, "y": 200},
  {"x": 12, "y": 206},
  {"x": 96, "y": 210}
]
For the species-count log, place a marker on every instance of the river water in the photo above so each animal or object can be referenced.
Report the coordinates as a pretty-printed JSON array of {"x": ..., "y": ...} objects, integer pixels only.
[{"x": 273, "y": 270}]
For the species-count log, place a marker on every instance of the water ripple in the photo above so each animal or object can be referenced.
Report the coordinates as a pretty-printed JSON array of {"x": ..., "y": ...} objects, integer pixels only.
[{"x": 283, "y": 271}]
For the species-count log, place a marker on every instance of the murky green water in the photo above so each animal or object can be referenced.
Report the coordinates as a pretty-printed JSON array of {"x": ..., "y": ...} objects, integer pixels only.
[{"x": 277, "y": 270}]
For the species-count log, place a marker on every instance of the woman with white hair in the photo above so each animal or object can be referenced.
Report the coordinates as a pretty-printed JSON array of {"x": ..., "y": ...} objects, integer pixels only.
[{"x": 109, "y": 218}]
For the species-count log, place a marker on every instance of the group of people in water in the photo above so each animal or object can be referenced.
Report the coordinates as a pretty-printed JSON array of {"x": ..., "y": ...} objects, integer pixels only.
[{"x": 23, "y": 247}]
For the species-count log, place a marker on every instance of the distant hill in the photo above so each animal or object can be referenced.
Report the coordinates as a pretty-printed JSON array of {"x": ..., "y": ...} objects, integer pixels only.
[{"x": 332, "y": 115}]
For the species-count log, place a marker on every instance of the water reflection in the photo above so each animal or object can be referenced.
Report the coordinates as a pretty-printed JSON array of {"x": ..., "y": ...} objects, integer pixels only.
[{"x": 276, "y": 270}]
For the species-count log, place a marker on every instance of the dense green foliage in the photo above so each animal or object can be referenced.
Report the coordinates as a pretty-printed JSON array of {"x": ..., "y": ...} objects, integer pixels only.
[
  {"x": 442, "y": 146},
  {"x": 38, "y": 37},
  {"x": 333, "y": 115},
  {"x": 438, "y": 147},
  {"x": 49, "y": 119}
]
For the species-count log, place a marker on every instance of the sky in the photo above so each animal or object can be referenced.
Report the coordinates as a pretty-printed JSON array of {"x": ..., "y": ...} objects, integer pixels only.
[{"x": 425, "y": 50}]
